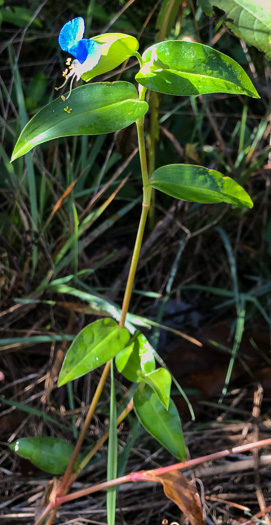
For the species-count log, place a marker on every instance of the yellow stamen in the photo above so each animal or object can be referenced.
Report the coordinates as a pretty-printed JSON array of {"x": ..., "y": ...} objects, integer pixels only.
[
  {"x": 68, "y": 73},
  {"x": 62, "y": 85},
  {"x": 70, "y": 90},
  {"x": 68, "y": 110},
  {"x": 63, "y": 98}
]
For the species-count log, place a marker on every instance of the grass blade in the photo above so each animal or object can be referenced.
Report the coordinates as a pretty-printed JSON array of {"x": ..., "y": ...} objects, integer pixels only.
[
  {"x": 28, "y": 159},
  {"x": 32, "y": 411},
  {"x": 112, "y": 461},
  {"x": 232, "y": 264},
  {"x": 240, "y": 309}
]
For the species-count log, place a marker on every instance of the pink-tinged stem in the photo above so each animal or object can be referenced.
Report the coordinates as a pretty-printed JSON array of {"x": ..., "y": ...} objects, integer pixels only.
[
  {"x": 95, "y": 488},
  {"x": 46, "y": 511},
  {"x": 148, "y": 475},
  {"x": 197, "y": 461},
  {"x": 258, "y": 515}
]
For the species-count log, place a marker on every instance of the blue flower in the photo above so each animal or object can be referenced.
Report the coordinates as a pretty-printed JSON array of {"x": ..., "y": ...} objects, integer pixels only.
[{"x": 86, "y": 52}]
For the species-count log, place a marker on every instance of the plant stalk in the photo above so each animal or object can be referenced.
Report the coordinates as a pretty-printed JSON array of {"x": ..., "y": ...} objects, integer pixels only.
[
  {"x": 147, "y": 192},
  {"x": 101, "y": 441},
  {"x": 69, "y": 477},
  {"x": 66, "y": 478},
  {"x": 134, "y": 262},
  {"x": 150, "y": 475}
]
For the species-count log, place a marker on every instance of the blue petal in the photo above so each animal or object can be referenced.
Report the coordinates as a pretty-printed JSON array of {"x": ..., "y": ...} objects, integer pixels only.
[
  {"x": 94, "y": 54},
  {"x": 71, "y": 33},
  {"x": 87, "y": 52}
]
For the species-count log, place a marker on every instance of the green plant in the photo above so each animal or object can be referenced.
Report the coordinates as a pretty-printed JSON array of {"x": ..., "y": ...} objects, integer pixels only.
[{"x": 170, "y": 67}]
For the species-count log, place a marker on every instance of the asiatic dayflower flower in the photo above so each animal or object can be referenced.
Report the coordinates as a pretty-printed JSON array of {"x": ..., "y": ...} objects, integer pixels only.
[{"x": 86, "y": 52}]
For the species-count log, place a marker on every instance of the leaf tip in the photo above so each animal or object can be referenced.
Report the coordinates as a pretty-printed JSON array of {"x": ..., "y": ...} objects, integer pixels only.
[
  {"x": 61, "y": 381},
  {"x": 247, "y": 202},
  {"x": 17, "y": 152},
  {"x": 12, "y": 445},
  {"x": 13, "y": 156},
  {"x": 63, "y": 377},
  {"x": 256, "y": 94}
]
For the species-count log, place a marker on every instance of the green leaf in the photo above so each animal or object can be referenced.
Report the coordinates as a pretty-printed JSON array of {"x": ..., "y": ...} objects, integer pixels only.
[
  {"x": 166, "y": 17},
  {"x": 136, "y": 357},
  {"x": 206, "y": 6},
  {"x": 198, "y": 184},
  {"x": 35, "y": 91},
  {"x": 95, "y": 109},
  {"x": 95, "y": 345},
  {"x": 116, "y": 48},
  {"x": 47, "y": 453},
  {"x": 248, "y": 19},
  {"x": 164, "y": 425},
  {"x": 19, "y": 16},
  {"x": 188, "y": 68},
  {"x": 160, "y": 381}
]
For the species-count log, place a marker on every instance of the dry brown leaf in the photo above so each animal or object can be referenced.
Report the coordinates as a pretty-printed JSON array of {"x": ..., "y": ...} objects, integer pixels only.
[{"x": 180, "y": 490}]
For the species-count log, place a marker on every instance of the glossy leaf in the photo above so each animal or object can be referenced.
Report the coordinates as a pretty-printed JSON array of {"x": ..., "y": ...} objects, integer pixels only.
[
  {"x": 136, "y": 357},
  {"x": 116, "y": 48},
  {"x": 248, "y": 19},
  {"x": 198, "y": 184},
  {"x": 180, "y": 490},
  {"x": 160, "y": 382},
  {"x": 93, "y": 109},
  {"x": 47, "y": 453},
  {"x": 164, "y": 425},
  {"x": 187, "y": 68},
  {"x": 95, "y": 345}
]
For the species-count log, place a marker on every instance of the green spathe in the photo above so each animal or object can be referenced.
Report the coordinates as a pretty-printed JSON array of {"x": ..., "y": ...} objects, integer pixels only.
[{"x": 116, "y": 48}]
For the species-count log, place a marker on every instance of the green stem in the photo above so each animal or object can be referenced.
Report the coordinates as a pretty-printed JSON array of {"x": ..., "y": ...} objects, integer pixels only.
[
  {"x": 147, "y": 192},
  {"x": 142, "y": 156},
  {"x": 134, "y": 262},
  {"x": 139, "y": 58},
  {"x": 102, "y": 440},
  {"x": 152, "y": 140},
  {"x": 69, "y": 477}
]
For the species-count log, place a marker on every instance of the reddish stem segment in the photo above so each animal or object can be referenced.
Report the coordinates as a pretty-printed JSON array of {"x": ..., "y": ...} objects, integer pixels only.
[{"x": 148, "y": 475}]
